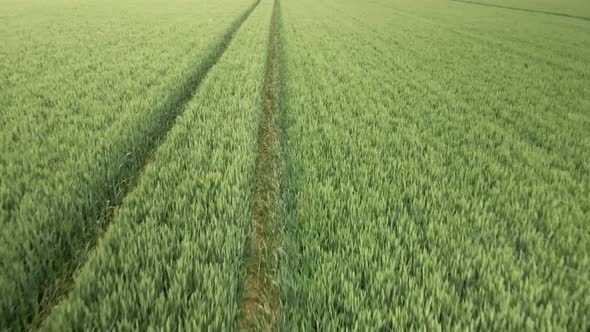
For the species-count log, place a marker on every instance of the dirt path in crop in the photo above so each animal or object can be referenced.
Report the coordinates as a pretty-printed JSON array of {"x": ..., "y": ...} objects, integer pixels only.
[
  {"x": 59, "y": 287},
  {"x": 258, "y": 310}
]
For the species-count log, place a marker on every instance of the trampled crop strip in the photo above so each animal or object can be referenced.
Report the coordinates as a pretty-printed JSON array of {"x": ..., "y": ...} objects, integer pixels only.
[
  {"x": 260, "y": 299},
  {"x": 525, "y": 10},
  {"x": 61, "y": 285}
]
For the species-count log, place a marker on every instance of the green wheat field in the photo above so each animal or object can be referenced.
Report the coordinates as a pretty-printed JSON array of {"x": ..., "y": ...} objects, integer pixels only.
[{"x": 295, "y": 165}]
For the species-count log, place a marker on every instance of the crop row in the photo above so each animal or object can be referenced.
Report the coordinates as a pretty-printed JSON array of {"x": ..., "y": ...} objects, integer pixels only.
[
  {"x": 436, "y": 177},
  {"x": 435, "y": 169},
  {"x": 578, "y": 9},
  {"x": 173, "y": 257},
  {"x": 85, "y": 97}
]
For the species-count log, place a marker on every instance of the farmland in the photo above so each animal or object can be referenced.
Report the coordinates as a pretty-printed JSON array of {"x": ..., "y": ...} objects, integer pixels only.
[
  {"x": 80, "y": 117},
  {"x": 444, "y": 183},
  {"x": 295, "y": 165},
  {"x": 572, "y": 8}
]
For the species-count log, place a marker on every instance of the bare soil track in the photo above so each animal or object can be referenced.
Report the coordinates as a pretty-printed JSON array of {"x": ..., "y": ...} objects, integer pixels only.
[{"x": 260, "y": 299}]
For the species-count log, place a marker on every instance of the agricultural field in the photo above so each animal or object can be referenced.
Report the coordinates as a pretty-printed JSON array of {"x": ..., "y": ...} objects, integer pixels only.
[
  {"x": 87, "y": 94},
  {"x": 309, "y": 165},
  {"x": 570, "y": 8},
  {"x": 440, "y": 178}
]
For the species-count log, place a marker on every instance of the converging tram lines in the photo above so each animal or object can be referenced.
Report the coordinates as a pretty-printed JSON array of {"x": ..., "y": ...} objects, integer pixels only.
[{"x": 294, "y": 165}]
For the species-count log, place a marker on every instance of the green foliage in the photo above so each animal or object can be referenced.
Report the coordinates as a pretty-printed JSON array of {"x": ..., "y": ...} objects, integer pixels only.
[
  {"x": 569, "y": 8},
  {"x": 88, "y": 89},
  {"x": 433, "y": 167},
  {"x": 437, "y": 173},
  {"x": 173, "y": 257}
]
